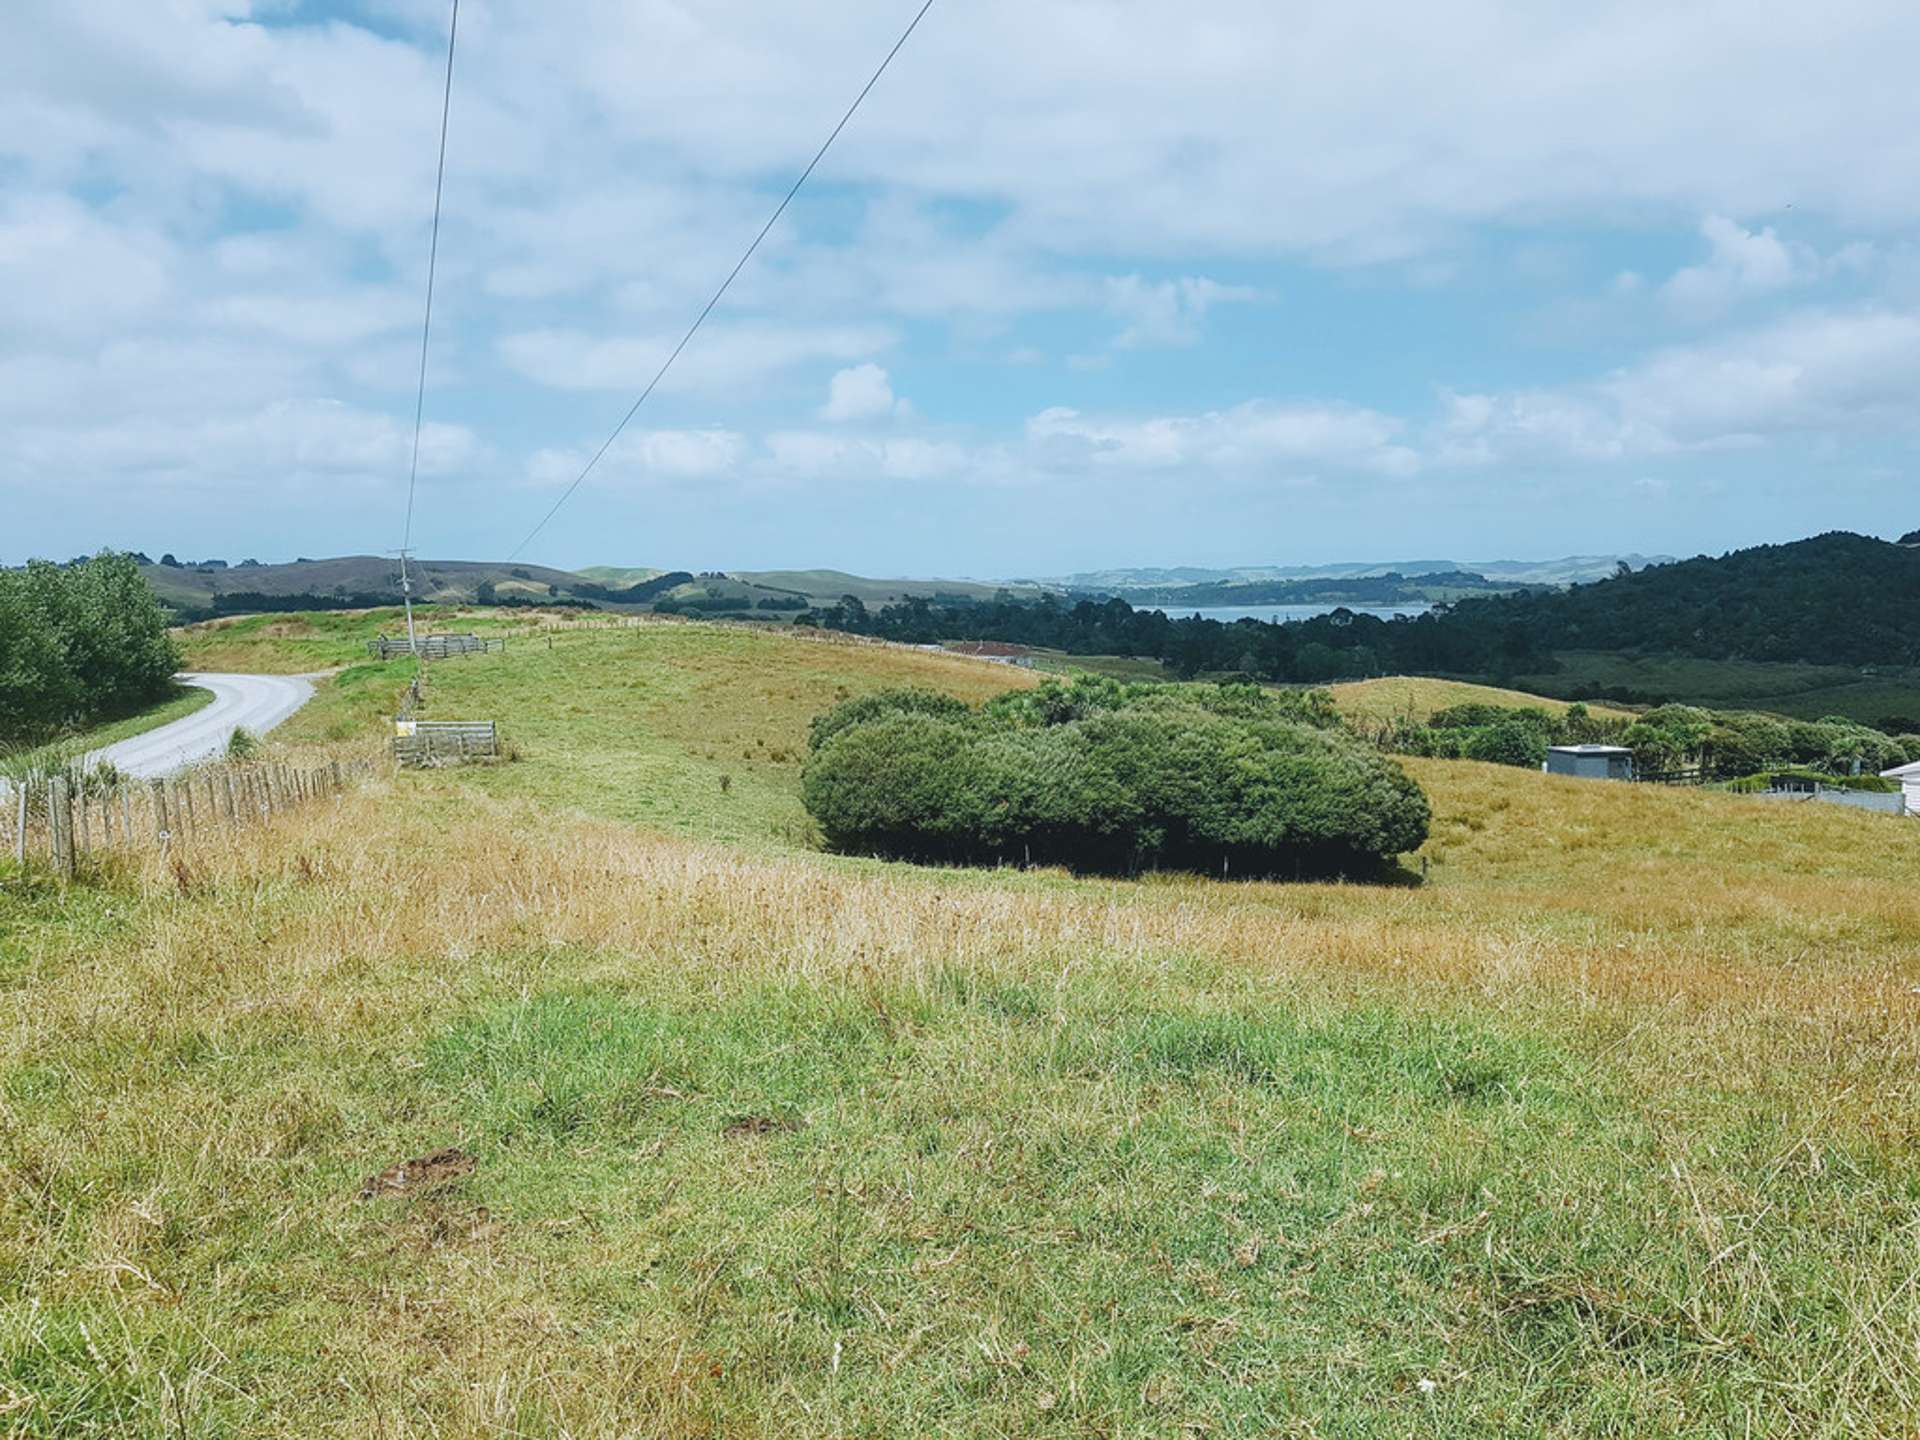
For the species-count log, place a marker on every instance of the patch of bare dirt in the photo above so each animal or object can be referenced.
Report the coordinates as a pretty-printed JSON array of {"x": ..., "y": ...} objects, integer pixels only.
[
  {"x": 428, "y": 1172},
  {"x": 747, "y": 1125}
]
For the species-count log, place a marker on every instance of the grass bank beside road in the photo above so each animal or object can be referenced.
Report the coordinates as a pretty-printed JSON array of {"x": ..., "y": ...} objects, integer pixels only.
[
  {"x": 1608, "y": 1129},
  {"x": 182, "y": 701}
]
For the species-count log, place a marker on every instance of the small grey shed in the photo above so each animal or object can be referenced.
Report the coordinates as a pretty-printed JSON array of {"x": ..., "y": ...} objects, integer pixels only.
[{"x": 1595, "y": 762}]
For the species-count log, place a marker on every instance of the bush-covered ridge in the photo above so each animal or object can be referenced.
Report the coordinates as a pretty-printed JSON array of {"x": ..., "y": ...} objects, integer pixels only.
[
  {"x": 1102, "y": 776},
  {"x": 1835, "y": 599}
]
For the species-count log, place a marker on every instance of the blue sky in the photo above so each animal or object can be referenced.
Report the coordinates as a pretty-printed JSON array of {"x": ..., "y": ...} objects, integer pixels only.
[{"x": 1086, "y": 283}]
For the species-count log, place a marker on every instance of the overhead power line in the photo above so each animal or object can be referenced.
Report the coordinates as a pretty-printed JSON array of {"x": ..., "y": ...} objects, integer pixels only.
[
  {"x": 426, "y": 328},
  {"x": 433, "y": 257},
  {"x": 739, "y": 265}
]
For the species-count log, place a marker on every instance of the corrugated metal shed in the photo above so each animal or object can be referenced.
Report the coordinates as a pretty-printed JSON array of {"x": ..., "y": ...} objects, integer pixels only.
[{"x": 1594, "y": 762}]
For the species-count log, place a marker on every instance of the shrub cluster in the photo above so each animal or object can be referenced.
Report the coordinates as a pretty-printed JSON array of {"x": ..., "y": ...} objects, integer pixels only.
[
  {"x": 1723, "y": 744},
  {"x": 1729, "y": 744},
  {"x": 1502, "y": 734},
  {"x": 1109, "y": 777},
  {"x": 78, "y": 643}
]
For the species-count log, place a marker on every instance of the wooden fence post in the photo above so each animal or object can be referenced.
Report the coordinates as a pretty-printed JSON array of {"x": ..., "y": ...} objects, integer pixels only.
[
  {"x": 20, "y": 835},
  {"x": 126, "y": 812},
  {"x": 160, "y": 830},
  {"x": 81, "y": 835},
  {"x": 231, "y": 818},
  {"x": 106, "y": 820},
  {"x": 184, "y": 791},
  {"x": 60, "y": 824}
]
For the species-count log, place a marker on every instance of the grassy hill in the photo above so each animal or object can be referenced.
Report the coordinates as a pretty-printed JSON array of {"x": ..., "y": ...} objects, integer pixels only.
[
  {"x": 619, "y": 574},
  {"x": 1416, "y": 698},
  {"x": 825, "y": 587},
  {"x": 1606, "y": 1129},
  {"x": 355, "y": 575},
  {"x": 192, "y": 589}
]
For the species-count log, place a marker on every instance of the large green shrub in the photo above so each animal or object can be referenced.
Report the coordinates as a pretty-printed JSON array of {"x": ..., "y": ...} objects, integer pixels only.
[
  {"x": 862, "y": 708},
  {"x": 1110, "y": 779},
  {"x": 1509, "y": 742},
  {"x": 78, "y": 643}
]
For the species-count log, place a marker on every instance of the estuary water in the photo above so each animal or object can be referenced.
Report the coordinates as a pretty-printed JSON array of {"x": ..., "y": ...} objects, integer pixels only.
[{"x": 1230, "y": 613}]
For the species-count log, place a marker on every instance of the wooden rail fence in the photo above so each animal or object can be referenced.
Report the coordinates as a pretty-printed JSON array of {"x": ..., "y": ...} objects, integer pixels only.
[
  {"x": 432, "y": 742},
  {"x": 70, "y": 819},
  {"x": 432, "y": 647}
]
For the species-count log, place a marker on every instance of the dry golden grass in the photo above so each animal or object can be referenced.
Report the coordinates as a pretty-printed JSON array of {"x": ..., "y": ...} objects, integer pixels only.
[
  {"x": 1415, "y": 697},
  {"x": 1608, "y": 1128}
]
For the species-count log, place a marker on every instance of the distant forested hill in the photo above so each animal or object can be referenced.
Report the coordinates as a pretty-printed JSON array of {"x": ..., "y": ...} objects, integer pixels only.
[
  {"x": 1834, "y": 600},
  {"x": 1837, "y": 598}
]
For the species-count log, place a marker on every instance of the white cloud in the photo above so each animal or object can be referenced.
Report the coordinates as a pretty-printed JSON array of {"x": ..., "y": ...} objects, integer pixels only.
[
  {"x": 644, "y": 455},
  {"x": 720, "y": 357},
  {"x": 860, "y": 392},
  {"x": 1844, "y": 372},
  {"x": 66, "y": 271},
  {"x": 1167, "y": 312},
  {"x": 268, "y": 447},
  {"x": 809, "y": 454},
  {"x": 1247, "y": 439},
  {"x": 1742, "y": 262}
]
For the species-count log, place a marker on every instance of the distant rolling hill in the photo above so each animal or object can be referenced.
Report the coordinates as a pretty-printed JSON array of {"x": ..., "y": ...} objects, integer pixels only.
[
  {"x": 1568, "y": 570},
  {"x": 193, "y": 588},
  {"x": 620, "y": 574},
  {"x": 200, "y": 589},
  {"x": 824, "y": 587}
]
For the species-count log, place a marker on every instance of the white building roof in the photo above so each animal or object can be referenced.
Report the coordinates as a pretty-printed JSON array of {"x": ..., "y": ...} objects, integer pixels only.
[
  {"x": 1589, "y": 749},
  {"x": 1901, "y": 772}
]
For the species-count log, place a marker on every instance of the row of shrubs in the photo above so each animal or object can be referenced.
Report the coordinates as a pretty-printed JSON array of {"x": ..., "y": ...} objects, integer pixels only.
[
  {"x": 1729, "y": 744},
  {"x": 1102, "y": 776},
  {"x": 1501, "y": 734},
  {"x": 1722, "y": 744}
]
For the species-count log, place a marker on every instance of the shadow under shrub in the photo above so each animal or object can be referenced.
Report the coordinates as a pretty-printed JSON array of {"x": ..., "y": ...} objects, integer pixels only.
[{"x": 1150, "y": 777}]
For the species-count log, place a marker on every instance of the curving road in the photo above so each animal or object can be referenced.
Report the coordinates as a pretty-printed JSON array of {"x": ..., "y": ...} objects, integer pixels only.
[{"x": 258, "y": 702}]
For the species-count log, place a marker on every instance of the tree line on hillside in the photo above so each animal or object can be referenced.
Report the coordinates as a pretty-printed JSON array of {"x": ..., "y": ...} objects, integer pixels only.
[
  {"x": 1834, "y": 599},
  {"x": 79, "y": 643},
  {"x": 1113, "y": 778},
  {"x": 1501, "y": 734},
  {"x": 1720, "y": 744},
  {"x": 1337, "y": 646}
]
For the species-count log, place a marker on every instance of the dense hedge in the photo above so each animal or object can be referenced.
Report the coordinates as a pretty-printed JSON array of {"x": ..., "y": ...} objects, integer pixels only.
[
  {"x": 1107, "y": 777},
  {"x": 78, "y": 643}
]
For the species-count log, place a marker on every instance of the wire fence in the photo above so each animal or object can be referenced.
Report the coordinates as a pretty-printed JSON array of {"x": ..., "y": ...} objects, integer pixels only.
[{"x": 70, "y": 820}]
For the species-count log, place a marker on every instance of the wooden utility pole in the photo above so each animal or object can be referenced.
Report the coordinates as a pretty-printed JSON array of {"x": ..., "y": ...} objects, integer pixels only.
[{"x": 406, "y": 598}]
